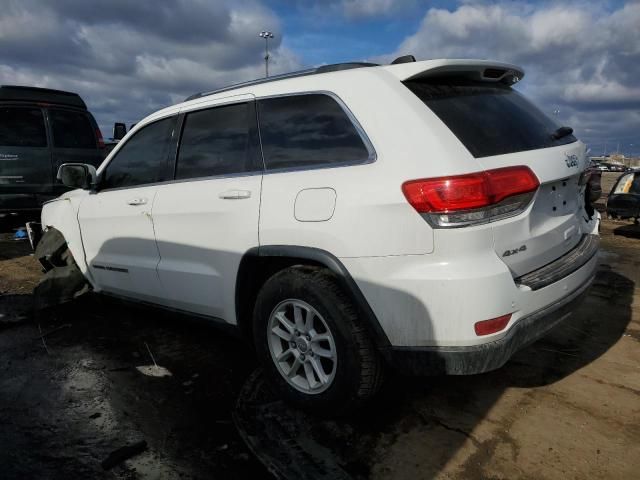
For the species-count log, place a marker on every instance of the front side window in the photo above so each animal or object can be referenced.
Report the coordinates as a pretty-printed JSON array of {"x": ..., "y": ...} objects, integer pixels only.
[
  {"x": 217, "y": 141},
  {"x": 22, "y": 127},
  {"x": 143, "y": 159},
  {"x": 307, "y": 131},
  {"x": 71, "y": 129}
]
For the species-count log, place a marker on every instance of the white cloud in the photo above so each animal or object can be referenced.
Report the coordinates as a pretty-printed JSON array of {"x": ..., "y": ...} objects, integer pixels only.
[
  {"x": 371, "y": 8},
  {"x": 128, "y": 59}
]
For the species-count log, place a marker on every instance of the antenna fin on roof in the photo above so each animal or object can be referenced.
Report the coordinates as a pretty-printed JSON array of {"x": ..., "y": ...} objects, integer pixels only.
[{"x": 404, "y": 59}]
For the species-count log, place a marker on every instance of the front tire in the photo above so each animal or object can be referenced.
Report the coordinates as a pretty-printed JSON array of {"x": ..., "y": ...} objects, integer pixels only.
[{"x": 315, "y": 349}]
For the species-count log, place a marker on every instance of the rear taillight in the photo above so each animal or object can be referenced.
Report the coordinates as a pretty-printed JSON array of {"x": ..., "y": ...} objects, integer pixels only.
[
  {"x": 474, "y": 198},
  {"x": 100, "y": 139},
  {"x": 487, "y": 327}
]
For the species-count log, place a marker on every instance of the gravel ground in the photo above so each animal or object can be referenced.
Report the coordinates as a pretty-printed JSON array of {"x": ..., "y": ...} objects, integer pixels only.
[{"x": 566, "y": 407}]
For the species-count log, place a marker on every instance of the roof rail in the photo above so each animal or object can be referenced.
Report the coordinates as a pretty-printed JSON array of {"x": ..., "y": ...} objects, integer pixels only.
[
  {"x": 337, "y": 67},
  {"x": 41, "y": 95}
]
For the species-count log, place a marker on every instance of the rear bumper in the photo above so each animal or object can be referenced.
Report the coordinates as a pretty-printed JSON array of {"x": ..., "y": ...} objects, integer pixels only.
[
  {"x": 435, "y": 300},
  {"x": 467, "y": 360}
]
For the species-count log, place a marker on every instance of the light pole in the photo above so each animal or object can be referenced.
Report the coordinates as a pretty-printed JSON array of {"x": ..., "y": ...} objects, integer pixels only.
[{"x": 266, "y": 36}]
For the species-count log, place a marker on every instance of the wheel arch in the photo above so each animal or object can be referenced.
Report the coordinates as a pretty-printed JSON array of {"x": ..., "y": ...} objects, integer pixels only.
[{"x": 261, "y": 263}]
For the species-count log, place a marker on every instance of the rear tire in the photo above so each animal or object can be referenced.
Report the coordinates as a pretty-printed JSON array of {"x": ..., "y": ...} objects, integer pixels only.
[{"x": 314, "y": 348}]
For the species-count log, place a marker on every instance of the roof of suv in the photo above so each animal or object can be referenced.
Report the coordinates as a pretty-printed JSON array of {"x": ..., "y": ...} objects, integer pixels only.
[
  {"x": 406, "y": 70},
  {"x": 484, "y": 70},
  {"x": 18, "y": 93}
]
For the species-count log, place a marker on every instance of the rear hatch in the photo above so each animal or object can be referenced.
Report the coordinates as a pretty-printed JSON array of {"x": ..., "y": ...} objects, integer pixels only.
[{"x": 501, "y": 128}]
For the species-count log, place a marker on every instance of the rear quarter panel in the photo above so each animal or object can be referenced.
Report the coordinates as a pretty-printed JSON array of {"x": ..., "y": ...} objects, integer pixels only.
[{"x": 371, "y": 216}]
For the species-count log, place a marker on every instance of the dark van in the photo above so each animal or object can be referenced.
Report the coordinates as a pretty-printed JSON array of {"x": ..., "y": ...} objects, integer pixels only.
[
  {"x": 624, "y": 199},
  {"x": 40, "y": 129}
]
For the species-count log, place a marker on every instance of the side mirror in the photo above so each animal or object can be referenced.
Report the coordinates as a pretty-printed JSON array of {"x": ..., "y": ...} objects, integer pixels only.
[
  {"x": 119, "y": 131},
  {"x": 77, "y": 175}
]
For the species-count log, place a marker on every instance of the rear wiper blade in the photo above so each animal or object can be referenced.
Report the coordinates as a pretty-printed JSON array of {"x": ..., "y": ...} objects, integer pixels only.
[{"x": 561, "y": 132}]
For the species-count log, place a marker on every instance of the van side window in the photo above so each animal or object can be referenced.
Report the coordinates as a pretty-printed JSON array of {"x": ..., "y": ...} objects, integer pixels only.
[
  {"x": 217, "y": 141},
  {"x": 143, "y": 159},
  {"x": 22, "y": 127},
  {"x": 308, "y": 131},
  {"x": 71, "y": 129}
]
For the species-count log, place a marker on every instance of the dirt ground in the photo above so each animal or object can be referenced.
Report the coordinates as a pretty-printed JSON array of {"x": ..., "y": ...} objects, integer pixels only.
[{"x": 566, "y": 407}]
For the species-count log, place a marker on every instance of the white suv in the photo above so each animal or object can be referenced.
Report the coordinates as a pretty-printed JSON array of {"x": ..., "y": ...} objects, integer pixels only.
[{"x": 420, "y": 215}]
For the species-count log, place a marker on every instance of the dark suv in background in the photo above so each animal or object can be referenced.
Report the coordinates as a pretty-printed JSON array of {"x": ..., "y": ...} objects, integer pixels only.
[{"x": 40, "y": 129}]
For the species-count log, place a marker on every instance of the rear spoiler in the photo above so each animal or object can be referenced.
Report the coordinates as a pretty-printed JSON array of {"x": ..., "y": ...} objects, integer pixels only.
[{"x": 482, "y": 70}]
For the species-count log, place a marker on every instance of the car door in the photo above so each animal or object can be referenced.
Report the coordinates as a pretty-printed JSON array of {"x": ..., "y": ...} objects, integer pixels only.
[
  {"x": 116, "y": 224},
  {"x": 208, "y": 217},
  {"x": 25, "y": 158}
]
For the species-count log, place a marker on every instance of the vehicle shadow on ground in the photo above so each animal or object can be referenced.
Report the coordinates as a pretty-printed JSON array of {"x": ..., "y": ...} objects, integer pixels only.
[
  {"x": 421, "y": 422},
  {"x": 14, "y": 309},
  {"x": 72, "y": 393}
]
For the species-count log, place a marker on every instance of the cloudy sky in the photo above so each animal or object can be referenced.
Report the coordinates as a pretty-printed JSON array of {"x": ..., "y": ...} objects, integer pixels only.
[{"x": 128, "y": 58}]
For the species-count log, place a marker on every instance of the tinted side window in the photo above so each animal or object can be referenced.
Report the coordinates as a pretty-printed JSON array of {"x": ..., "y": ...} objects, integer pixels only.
[
  {"x": 143, "y": 159},
  {"x": 488, "y": 118},
  {"x": 306, "y": 131},
  {"x": 635, "y": 186},
  {"x": 71, "y": 129},
  {"x": 22, "y": 127},
  {"x": 217, "y": 141}
]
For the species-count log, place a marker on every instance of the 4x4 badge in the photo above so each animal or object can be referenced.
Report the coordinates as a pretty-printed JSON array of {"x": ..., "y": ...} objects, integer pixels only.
[
  {"x": 508, "y": 253},
  {"x": 571, "y": 160}
]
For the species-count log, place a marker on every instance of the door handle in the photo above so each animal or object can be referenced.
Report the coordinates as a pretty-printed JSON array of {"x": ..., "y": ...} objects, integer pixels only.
[
  {"x": 235, "y": 194},
  {"x": 137, "y": 201}
]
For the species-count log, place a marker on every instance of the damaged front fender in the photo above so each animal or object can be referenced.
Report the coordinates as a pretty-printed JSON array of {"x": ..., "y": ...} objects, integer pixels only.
[{"x": 63, "y": 281}]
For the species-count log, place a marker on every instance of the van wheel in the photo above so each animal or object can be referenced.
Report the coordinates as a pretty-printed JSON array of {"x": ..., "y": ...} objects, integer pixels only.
[{"x": 313, "y": 346}]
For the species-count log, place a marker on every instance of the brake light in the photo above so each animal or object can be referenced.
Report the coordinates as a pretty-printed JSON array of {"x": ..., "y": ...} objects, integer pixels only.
[
  {"x": 473, "y": 198},
  {"x": 487, "y": 327},
  {"x": 100, "y": 139}
]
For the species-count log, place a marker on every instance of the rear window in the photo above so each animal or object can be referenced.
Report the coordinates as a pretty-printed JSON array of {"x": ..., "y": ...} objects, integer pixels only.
[
  {"x": 22, "y": 127},
  {"x": 308, "y": 131},
  {"x": 488, "y": 118},
  {"x": 71, "y": 129}
]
